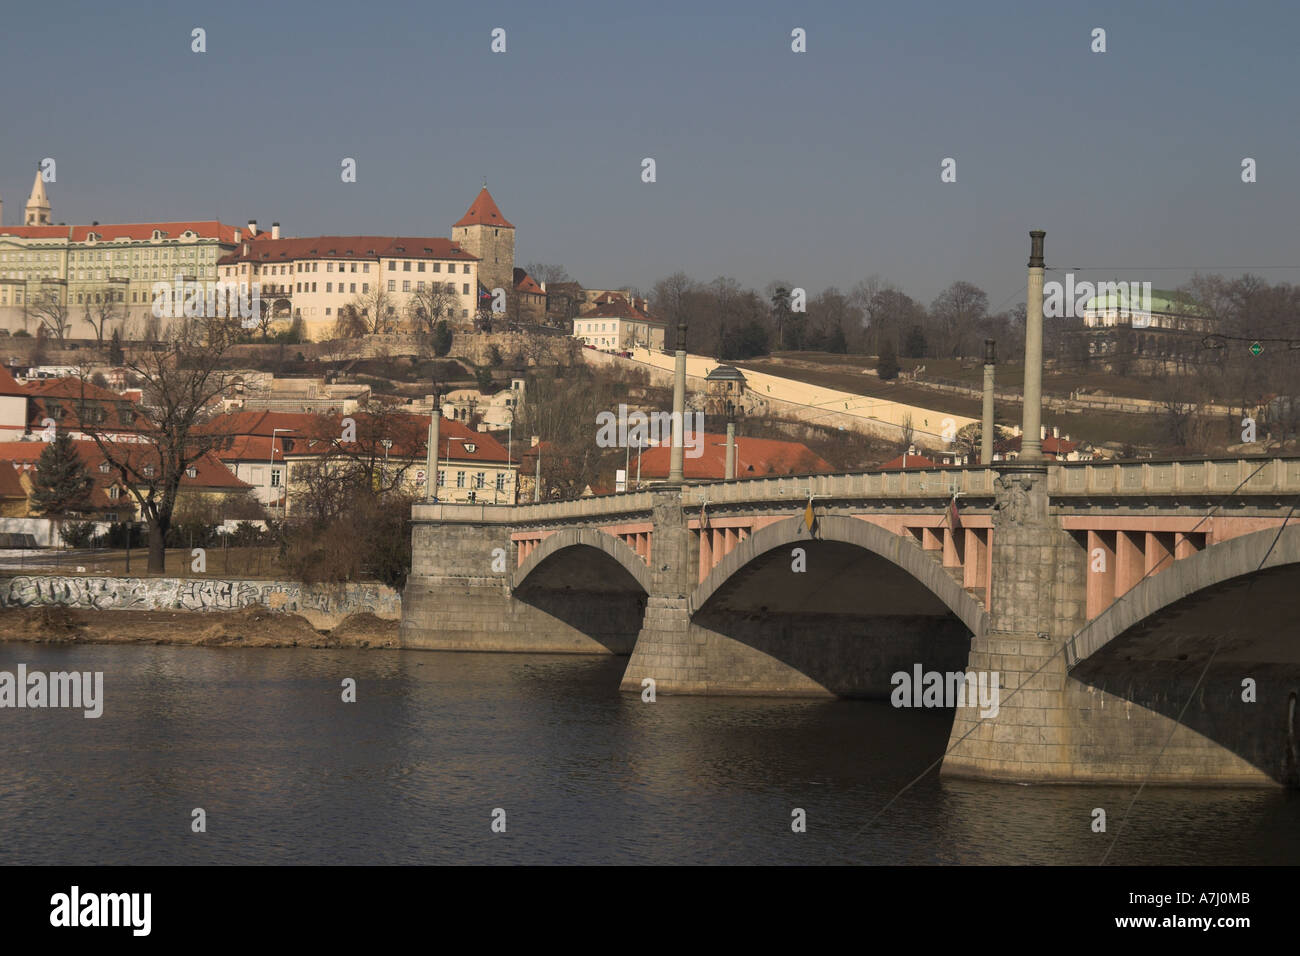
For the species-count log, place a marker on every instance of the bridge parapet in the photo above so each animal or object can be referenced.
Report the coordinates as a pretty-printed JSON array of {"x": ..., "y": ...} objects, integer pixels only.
[{"x": 1211, "y": 476}]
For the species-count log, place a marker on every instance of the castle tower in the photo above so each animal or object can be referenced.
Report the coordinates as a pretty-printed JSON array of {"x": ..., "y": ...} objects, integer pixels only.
[
  {"x": 38, "y": 206},
  {"x": 485, "y": 233}
]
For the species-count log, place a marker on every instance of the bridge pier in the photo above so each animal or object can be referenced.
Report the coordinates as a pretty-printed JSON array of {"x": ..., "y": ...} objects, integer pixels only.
[
  {"x": 1051, "y": 726},
  {"x": 458, "y": 596}
]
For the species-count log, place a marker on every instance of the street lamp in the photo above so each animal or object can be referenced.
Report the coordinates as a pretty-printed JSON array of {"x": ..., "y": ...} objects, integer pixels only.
[
  {"x": 271, "y": 468},
  {"x": 387, "y": 443}
]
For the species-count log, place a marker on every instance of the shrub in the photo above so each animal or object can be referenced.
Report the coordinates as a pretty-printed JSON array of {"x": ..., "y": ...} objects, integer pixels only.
[{"x": 78, "y": 534}]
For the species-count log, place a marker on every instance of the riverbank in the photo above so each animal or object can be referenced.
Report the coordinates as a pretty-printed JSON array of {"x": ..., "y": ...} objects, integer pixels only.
[{"x": 247, "y": 627}]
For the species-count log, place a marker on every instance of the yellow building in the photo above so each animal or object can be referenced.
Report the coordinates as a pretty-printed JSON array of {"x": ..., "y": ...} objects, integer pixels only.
[{"x": 88, "y": 267}]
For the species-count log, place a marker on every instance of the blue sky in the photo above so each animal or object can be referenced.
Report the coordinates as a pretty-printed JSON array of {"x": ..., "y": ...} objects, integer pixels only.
[{"x": 818, "y": 169}]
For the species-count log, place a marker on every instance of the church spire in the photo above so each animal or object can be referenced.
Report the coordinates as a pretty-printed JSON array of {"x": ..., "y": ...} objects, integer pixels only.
[{"x": 38, "y": 205}]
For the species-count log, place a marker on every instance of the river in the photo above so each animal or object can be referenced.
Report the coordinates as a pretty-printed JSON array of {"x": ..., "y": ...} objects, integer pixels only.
[{"x": 286, "y": 772}]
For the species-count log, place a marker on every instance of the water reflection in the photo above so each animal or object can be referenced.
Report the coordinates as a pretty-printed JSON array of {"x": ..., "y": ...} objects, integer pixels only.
[{"x": 410, "y": 773}]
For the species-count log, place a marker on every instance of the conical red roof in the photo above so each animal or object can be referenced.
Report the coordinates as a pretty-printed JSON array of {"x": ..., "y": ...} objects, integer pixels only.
[{"x": 484, "y": 212}]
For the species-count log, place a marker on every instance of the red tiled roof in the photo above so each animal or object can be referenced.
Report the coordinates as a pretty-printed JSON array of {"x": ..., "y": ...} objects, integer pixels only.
[
  {"x": 207, "y": 229},
  {"x": 349, "y": 247},
  {"x": 8, "y": 384},
  {"x": 617, "y": 307},
  {"x": 754, "y": 457},
  {"x": 11, "y": 485},
  {"x": 252, "y": 431},
  {"x": 483, "y": 212},
  {"x": 35, "y": 232},
  {"x": 210, "y": 472},
  {"x": 260, "y": 423},
  {"x": 528, "y": 284},
  {"x": 71, "y": 387}
]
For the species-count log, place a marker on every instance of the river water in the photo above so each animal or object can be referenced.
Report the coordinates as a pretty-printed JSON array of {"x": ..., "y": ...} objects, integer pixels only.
[{"x": 286, "y": 772}]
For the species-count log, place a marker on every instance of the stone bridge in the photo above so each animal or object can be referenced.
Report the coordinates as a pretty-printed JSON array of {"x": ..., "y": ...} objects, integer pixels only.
[{"x": 1099, "y": 593}]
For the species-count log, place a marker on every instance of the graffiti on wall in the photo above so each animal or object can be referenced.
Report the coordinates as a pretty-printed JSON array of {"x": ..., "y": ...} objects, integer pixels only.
[{"x": 189, "y": 594}]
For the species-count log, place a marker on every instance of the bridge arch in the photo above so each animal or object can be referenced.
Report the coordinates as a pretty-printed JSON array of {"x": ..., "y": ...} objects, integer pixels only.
[
  {"x": 615, "y": 548},
  {"x": 902, "y": 552},
  {"x": 1235, "y": 558}
]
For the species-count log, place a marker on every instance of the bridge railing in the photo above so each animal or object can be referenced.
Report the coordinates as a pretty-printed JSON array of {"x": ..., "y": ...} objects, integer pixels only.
[
  {"x": 575, "y": 509},
  {"x": 1212, "y": 476},
  {"x": 1151, "y": 477}
]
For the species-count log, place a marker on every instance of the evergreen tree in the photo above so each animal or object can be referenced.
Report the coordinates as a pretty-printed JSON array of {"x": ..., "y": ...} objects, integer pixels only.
[
  {"x": 441, "y": 339},
  {"x": 115, "y": 356},
  {"x": 887, "y": 365},
  {"x": 61, "y": 483},
  {"x": 914, "y": 345}
]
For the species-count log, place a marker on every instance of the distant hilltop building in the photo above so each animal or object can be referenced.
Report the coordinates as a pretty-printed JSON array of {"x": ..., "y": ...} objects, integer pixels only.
[
  {"x": 101, "y": 271},
  {"x": 489, "y": 237},
  {"x": 619, "y": 322},
  {"x": 105, "y": 273},
  {"x": 1160, "y": 309},
  {"x": 317, "y": 278}
]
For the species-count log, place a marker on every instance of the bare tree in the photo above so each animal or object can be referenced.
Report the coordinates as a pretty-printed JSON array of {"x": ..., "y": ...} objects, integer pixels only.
[
  {"x": 386, "y": 444},
  {"x": 547, "y": 272},
  {"x": 434, "y": 303},
  {"x": 959, "y": 310},
  {"x": 173, "y": 427},
  {"x": 375, "y": 309},
  {"x": 104, "y": 306},
  {"x": 51, "y": 310},
  {"x": 671, "y": 299}
]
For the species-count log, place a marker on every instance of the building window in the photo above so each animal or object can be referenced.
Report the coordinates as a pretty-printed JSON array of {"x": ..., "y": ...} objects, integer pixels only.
[
  {"x": 419, "y": 286},
  {"x": 365, "y": 288},
  {"x": 313, "y": 287},
  {"x": 329, "y": 286},
  {"x": 464, "y": 289},
  {"x": 419, "y": 267},
  {"x": 406, "y": 285},
  {"x": 191, "y": 472},
  {"x": 352, "y": 287},
  {"x": 392, "y": 265},
  {"x": 479, "y": 479},
  {"x": 105, "y": 467},
  {"x": 275, "y": 478},
  {"x": 113, "y": 493},
  {"x": 392, "y": 285},
  {"x": 441, "y": 477},
  {"x": 406, "y": 266},
  {"x": 501, "y": 481},
  {"x": 460, "y": 479},
  {"x": 466, "y": 268},
  {"x": 437, "y": 267}
]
